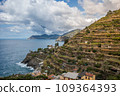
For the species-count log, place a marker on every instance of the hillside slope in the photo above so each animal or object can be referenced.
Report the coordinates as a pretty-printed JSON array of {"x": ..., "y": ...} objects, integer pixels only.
[
  {"x": 95, "y": 49},
  {"x": 68, "y": 35}
]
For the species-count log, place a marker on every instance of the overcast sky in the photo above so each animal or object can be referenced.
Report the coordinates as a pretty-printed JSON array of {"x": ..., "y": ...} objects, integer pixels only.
[{"x": 23, "y": 18}]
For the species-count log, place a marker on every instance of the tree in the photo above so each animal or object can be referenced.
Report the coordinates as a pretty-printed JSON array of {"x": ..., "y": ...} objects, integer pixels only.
[
  {"x": 87, "y": 31},
  {"x": 66, "y": 41},
  {"x": 109, "y": 12},
  {"x": 56, "y": 44}
]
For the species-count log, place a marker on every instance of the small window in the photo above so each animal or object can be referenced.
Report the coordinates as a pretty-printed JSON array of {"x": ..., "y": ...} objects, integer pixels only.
[
  {"x": 85, "y": 77},
  {"x": 88, "y": 78}
]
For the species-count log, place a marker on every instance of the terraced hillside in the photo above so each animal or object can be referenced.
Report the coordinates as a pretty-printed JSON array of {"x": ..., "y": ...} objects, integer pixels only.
[{"x": 95, "y": 49}]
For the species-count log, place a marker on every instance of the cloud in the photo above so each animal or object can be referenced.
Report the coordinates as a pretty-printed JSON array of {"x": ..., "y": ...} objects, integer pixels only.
[
  {"x": 43, "y": 16},
  {"x": 50, "y": 16},
  {"x": 99, "y": 7}
]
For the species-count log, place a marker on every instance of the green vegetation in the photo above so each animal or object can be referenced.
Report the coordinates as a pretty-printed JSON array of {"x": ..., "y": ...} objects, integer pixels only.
[
  {"x": 116, "y": 38},
  {"x": 24, "y": 77},
  {"x": 87, "y": 31},
  {"x": 66, "y": 41},
  {"x": 89, "y": 69},
  {"x": 56, "y": 44},
  {"x": 97, "y": 65},
  {"x": 94, "y": 49}
]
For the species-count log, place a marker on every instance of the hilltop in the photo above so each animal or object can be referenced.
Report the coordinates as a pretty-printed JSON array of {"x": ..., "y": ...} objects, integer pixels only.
[{"x": 68, "y": 35}]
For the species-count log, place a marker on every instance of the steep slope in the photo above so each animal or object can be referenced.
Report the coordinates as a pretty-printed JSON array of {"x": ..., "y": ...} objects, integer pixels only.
[
  {"x": 95, "y": 49},
  {"x": 68, "y": 35}
]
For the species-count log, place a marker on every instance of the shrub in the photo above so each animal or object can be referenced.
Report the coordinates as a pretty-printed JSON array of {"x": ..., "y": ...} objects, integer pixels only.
[
  {"x": 94, "y": 51},
  {"x": 112, "y": 78},
  {"x": 89, "y": 69},
  {"x": 79, "y": 57},
  {"x": 97, "y": 65},
  {"x": 89, "y": 50},
  {"x": 114, "y": 53},
  {"x": 33, "y": 55},
  {"x": 66, "y": 41},
  {"x": 99, "y": 45},
  {"x": 116, "y": 38},
  {"x": 56, "y": 44},
  {"x": 87, "y": 31},
  {"x": 81, "y": 49},
  {"x": 39, "y": 49}
]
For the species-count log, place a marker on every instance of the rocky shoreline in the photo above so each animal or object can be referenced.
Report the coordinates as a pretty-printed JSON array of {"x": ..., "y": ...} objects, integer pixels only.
[{"x": 35, "y": 59}]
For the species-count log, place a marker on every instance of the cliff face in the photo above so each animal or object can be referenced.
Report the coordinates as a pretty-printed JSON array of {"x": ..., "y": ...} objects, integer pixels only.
[
  {"x": 68, "y": 35},
  {"x": 34, "y": 59},
  {"x": 95, "y": 49}
]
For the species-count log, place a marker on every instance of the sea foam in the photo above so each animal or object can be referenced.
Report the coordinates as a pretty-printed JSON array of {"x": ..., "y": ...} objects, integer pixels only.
[{"x": 24, "y": 66}]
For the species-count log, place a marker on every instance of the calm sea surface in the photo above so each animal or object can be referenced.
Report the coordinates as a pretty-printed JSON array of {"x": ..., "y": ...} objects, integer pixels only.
[{"x": 12, "y": 52}]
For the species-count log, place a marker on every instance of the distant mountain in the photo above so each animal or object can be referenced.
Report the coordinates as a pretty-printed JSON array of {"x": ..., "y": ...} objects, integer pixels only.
[
  {"x": 68, "y": 35},
  {"x": 44, "y": 36}
]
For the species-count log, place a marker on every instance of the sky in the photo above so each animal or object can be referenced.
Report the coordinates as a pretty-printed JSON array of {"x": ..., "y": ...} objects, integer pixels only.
[{"x": 23, "y": 18}]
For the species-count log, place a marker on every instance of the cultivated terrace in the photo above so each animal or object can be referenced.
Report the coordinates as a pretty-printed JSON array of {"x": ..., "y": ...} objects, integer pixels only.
[{"x": 95, "y": 49}]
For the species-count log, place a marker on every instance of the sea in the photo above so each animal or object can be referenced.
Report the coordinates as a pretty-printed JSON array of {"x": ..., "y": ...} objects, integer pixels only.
[{"x": 13, "y": 52}]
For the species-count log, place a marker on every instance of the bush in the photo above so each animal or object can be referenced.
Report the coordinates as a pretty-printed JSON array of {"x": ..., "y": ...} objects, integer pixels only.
[
  {"x": 94, "y": 51},
  {"x": 60, "y": 61},
  {"x": 81, "y": 49},
  {"x": 99, "y": 45},
  {"x": 116, "y": 38},
  {"x": 39, "y": 49},
  {"x": 66, "y": 41},
  {"x": 33, "y": 55},
  {"x": 89, "y": 50},
  {"x": 97, "y": 65},
  {"x": 89, "y": 69},
  {"x": 79, "y": 57},
  {"x": 114, "y": 53},
  {"x": 56, "y": 44},
  {"x": 87, "y": 31},
  {"x": 112, "y": 78}
]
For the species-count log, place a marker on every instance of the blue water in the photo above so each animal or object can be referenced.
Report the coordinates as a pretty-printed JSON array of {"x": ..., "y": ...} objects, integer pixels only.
[{"x": 12, "y": 52}]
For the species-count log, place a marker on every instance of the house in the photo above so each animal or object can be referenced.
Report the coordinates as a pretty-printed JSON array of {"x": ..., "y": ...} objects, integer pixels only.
[
  {"x": 75, "y": 70},
  {"x": 86, "y": 76},
  {"x": 50, "y": 46},
  {"x": 52, "y": 76},
  {"x": 36, "y": 73},
  {"x": 69, "y": 76}
]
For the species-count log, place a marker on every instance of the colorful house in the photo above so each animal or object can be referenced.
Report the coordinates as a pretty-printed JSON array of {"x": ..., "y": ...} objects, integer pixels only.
[
  {"x": 36, "y": 73},
  {"x": 52, "y": 76},
  {"x": 86, "y": 76}
]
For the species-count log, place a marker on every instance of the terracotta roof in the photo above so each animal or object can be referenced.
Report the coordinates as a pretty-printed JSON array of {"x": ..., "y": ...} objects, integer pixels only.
[
  {"x": 52, "y": 76},
  {"x": 85, "y": 74},
  {"x": 89, "y": 74},
  {"x": 75, "y": 69}
]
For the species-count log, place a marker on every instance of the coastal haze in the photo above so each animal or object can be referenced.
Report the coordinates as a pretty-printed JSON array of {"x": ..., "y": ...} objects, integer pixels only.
[{"x": 12, "y": 52}]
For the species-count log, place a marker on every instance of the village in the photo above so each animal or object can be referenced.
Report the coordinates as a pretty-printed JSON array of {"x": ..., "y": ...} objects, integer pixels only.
[
  {"x": 67, "y": 76},
  {"x": 64, "y": 76}
]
